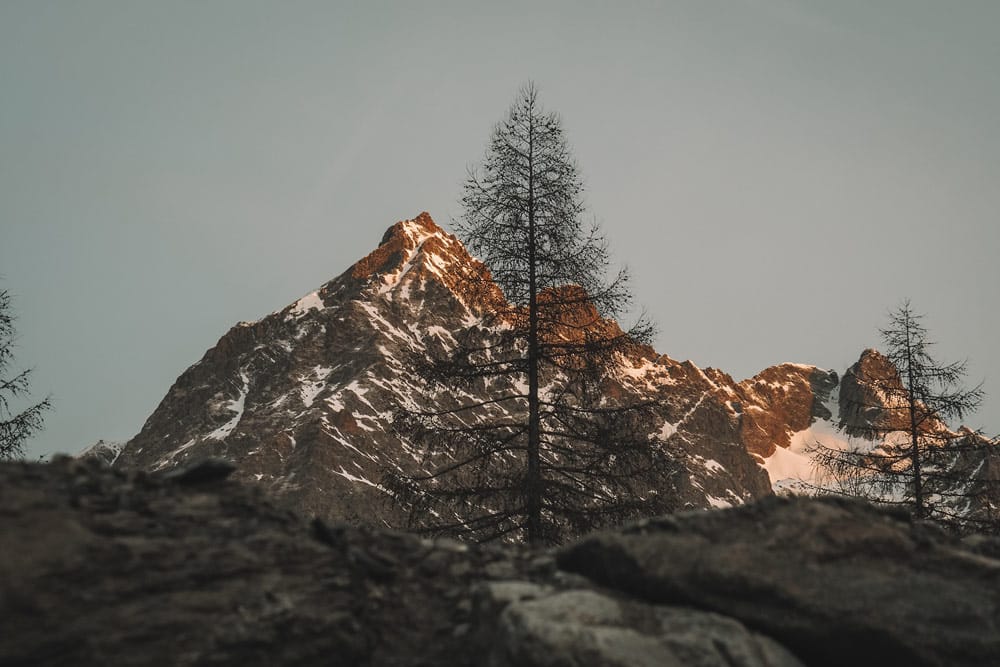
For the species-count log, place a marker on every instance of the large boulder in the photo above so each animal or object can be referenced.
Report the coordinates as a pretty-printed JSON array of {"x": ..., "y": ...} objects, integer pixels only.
[
  {"x": 836, "y": 581},
  {"x": 546, "y": 628}
]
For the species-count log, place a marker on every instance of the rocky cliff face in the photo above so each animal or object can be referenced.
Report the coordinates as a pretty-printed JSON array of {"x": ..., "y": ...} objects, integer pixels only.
[
  {"x": 303, "y": 400},
  {"x": 781, "y": 401},
  {"x": 187, "y": 567},
  {"x": 873, "y": 401}
]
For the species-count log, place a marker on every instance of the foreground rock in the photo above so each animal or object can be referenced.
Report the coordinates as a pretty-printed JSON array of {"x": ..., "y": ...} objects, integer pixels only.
[
  {"x": 835, "y": 581},
  {"x": 102, "y": 567}
]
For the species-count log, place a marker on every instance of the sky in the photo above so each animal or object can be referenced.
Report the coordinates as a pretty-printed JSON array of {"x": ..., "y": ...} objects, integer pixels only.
[{"x": 777, "y": 174}]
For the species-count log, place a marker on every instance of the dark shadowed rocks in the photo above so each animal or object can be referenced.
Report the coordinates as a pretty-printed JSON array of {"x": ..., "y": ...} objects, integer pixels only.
[{"x": 99, "y": 567}]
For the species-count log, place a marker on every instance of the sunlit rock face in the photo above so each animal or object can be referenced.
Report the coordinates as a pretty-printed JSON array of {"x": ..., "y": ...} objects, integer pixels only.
[
  {"x": 873, "y": 401},
  {"x": 303, "y": 399},
  {"x": 870, "y": 390},
  {"x": 781, "y": 401}
]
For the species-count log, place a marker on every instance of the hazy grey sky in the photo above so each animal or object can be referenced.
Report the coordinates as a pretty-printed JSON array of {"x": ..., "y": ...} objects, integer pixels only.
[{"x": 777, "y": 174}]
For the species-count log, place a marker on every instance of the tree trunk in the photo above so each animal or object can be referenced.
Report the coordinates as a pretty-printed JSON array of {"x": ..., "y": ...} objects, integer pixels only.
[
  {"x": 534, "y": 481},
  {"x": 918, "y": 482}
]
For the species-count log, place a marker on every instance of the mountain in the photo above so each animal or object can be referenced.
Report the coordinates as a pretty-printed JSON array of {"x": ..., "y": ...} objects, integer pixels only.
[
  {"x": 303, "y": 400},
  {"x": 867, "y": 424}
]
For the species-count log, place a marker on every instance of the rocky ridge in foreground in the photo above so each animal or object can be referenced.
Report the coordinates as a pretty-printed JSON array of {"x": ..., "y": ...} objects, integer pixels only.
[{"x": 187, "y": 567}]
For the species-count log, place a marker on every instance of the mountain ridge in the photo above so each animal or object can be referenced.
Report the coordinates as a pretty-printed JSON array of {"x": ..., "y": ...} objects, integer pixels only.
[{"x": 303, "y": 400}]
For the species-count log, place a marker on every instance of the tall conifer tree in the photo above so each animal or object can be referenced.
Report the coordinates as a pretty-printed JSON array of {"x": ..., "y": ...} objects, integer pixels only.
[{"x": 561, "y": 457}]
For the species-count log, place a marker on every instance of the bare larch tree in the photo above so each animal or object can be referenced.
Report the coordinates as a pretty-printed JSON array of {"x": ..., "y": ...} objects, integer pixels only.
[
  {"x": 907, "y": 453},
  {"x": 555, "y": 455}
]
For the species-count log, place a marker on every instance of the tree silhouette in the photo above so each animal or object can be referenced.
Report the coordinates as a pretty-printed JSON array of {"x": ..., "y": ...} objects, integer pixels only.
[
  {"x": 907, "y": 454},
  {"x": 558, "y": 447},
  {"x": 15, "y": 427}
]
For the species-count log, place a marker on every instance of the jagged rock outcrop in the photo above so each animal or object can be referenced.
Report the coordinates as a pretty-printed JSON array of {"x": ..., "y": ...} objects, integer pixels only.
[
  {"x": 874, "y": 402},
  {"x": 975, "y": 462},
  {"x": 781, "y": 401},
  {"x": 869, "y": 395},
  {"x": 189, "y": 567}
]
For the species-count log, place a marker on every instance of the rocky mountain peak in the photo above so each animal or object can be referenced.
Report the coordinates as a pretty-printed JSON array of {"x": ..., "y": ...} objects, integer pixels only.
[
  {"x": 873, "y": 400},
  {"x": 873, "y": 366},
  {"x": 304, "y": 400},
  {"x": 401, "y": 244},
  {"x": 418, "y": 250}
]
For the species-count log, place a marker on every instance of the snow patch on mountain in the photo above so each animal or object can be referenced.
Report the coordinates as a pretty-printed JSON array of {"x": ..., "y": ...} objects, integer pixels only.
[
  {"x": 361, "y": 480},
  {"x": 793, "y": 469},
  {"x": 236, "y": 406},
  {"x": 416, "y": 235},
  {"x": 313, "y": 384},
  {"x": 311, "y": 301}
]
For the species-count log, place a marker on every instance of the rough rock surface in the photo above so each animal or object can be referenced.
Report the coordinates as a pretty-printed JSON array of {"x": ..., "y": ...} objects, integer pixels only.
[
  {"x": 545, "y": 628},
  {"x": 836, "y": 581},
  {"x": 872, "y": 399},
  {"x": 191, "y": 568},
  {"x": 780, "y": 401},
  {"x": 98, "y": 568}
]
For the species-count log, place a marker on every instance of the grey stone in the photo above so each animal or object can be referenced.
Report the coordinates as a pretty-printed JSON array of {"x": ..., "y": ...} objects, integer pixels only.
[
  {"x": 584, "y": 627},
  {"x": 837, "y": 582}
]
